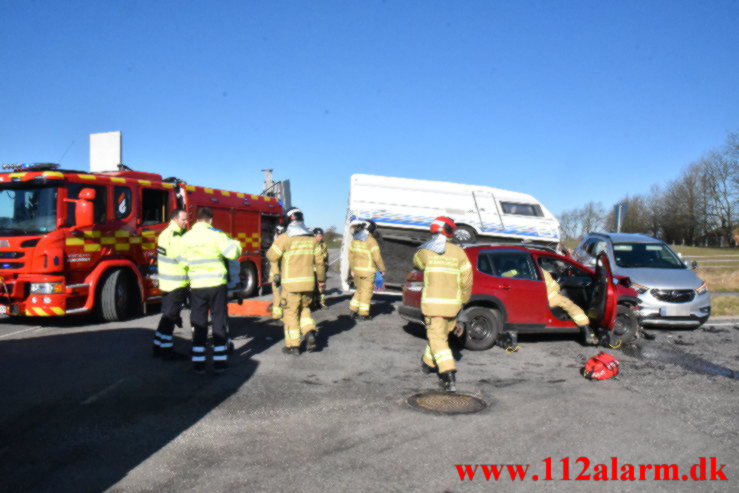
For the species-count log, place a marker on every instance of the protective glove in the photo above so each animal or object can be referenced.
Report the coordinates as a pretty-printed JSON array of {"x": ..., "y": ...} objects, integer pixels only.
[
  {"x": 277, "y": 280},
  {"x": 462, "y": 322}
]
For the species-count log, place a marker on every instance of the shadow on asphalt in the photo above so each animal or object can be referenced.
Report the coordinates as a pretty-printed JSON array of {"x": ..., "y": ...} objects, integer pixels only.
[{"x": 83, "y": 409}]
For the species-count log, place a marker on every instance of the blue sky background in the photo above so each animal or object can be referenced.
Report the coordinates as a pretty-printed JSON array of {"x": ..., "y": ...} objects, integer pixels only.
[{"x": 570, "y": 101}]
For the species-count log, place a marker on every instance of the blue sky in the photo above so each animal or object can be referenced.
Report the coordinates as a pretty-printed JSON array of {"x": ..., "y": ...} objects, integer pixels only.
[{"x": 569, "y": 101}]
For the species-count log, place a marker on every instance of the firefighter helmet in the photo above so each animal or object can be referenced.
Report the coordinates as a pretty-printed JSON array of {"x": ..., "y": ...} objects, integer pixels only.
[
  {"x": 317, "y": 231},
  {"x": 293, "y": 214},
  {"x": 443, "y": 225}
]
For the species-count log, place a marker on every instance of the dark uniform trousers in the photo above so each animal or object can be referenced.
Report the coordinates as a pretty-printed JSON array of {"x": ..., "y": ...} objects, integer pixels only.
[
  {"x": 172, "y": 304},
  {"x": 202, "y": 300}
]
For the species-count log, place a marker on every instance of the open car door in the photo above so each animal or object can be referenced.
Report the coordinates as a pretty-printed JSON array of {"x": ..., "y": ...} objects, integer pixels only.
[{"x": 604, "y": 302}]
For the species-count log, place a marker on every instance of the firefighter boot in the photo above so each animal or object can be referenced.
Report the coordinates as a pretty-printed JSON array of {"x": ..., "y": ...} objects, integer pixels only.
[
  {"x": 219, "y": 366},
  {"x": 295, "y": 351},
  {"x": 310, "y": 341},
  {"x": 198, "y": 367},
  {"x": 589, "y": 336},
  {"x": 449, "y": 380},
  {"x": 426, "y": 369}
]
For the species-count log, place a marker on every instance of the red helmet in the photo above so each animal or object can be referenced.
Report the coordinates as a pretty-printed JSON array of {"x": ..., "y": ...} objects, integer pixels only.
[{"x": 443, "y": 225}]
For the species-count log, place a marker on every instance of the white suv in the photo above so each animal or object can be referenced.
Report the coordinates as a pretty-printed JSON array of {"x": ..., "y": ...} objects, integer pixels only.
[{"x": 670, "y": 293}]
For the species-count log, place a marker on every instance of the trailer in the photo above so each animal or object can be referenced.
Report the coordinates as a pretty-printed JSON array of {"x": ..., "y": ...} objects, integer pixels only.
[
  {"x": 76, "y": 242},
  {"x": 403, "y": 210}
]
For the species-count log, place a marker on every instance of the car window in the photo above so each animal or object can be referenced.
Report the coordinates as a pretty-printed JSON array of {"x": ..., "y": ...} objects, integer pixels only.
[
  {"x": 511, "y": 265},
  {"x": 99, "y": 202},
  {"x": 521, "y": 209},
  {"x": 560, "y": 267}
]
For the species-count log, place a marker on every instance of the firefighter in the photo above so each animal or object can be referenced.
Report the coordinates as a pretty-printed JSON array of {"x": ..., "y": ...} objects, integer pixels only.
[
  {"x": 447, "y": 287},
  {"x": 205, "y": 249},
  {"x": 365, "y": 260},
  {"x": 320, "y": 293},
  {"x": 276, "y": 300},
  {"x": 172, "y": 282},
  {"x": 556, "y": 299},
  {"x": 298, "y": 263}
]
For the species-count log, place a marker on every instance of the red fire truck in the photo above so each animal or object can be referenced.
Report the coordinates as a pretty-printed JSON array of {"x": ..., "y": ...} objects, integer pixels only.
[{"x": 75, "y": 242}]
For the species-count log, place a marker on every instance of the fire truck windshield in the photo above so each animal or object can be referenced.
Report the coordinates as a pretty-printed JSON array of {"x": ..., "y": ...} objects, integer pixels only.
[{"x": 27, "y": 209}]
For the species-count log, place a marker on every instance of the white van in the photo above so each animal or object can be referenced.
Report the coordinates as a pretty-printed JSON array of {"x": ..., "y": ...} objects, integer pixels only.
[{"x": 404, "y": 209}]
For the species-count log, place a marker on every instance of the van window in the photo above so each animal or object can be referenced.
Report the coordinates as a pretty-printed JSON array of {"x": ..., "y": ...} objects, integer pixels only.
[
  {"x": 122, "y": 202},
  {"x": 100, "y": 202},
  {"x": 512, "y": 265},
  {"x": 154, "y": 206},
  {"x": 521, "y": 209}
]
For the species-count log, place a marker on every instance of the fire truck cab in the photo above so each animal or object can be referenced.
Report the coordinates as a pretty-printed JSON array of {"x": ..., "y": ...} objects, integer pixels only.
[{"x": 76, "y": 242}]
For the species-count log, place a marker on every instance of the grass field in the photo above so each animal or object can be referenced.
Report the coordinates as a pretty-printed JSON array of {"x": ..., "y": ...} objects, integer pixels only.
[{"x": 725, "y": 305}]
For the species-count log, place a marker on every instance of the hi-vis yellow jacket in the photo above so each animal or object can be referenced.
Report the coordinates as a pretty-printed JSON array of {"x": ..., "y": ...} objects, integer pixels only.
[
  {"x": 204, "y": 250},
  {"x": 447, "y": 280},
  {"x": 170, "y": 264},
  {"x": 364, "y": 257},
  {"x": 299, "y": 261}
]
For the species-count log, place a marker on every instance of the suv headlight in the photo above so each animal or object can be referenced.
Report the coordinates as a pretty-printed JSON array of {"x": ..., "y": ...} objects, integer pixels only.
[
  {"x": 703, "y": 288},
  {"x": 639, "y": 288},
  {"x": 46, "y": 287}
]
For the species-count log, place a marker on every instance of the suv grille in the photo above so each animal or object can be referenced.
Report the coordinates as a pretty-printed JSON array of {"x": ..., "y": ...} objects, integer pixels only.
[{"x": 674, "y": 295}]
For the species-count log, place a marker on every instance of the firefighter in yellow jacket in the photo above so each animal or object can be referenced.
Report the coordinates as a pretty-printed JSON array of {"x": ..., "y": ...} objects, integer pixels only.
[
  {"x": 274, "y": 267},
  {"x": 365, "y": 260},
  {"x": 556, "y": 299},
  {"x": 205, "y": 249},
  {"x": 447, "y": 285},
  {"x": 172, "y": 275},
  {"x": 298, "y": 263}
]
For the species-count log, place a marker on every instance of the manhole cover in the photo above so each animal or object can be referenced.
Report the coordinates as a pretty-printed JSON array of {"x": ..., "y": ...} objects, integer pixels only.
[{"x": 447, "y": 402}]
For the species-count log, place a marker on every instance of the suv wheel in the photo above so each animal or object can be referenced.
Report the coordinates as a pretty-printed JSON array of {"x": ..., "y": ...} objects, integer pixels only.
[
  {"x": 483, "y": 328},
  {"x": 625, "y": 327}
]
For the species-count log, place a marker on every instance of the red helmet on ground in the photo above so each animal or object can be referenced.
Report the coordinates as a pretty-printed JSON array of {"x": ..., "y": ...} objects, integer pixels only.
[{"x": 443, "y": 225}]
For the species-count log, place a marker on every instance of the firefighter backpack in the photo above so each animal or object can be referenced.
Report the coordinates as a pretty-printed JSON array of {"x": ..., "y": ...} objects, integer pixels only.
[{"x": 600, "y": 367}]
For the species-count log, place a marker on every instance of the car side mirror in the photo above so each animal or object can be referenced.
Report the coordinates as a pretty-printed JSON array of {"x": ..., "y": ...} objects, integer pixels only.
[{"x": 690, "y": 264}]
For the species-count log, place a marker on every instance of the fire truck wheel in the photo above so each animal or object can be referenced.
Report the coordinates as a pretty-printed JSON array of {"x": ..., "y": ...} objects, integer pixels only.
[
  {"x": 118, "y": 296},
  {"x": 249, "y": 279}
]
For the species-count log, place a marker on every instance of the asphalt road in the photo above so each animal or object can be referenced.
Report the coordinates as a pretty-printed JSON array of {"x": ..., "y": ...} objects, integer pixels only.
[{"x": 86, "y": 408}]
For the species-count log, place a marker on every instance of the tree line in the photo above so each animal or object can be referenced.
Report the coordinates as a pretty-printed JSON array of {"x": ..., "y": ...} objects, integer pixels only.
[{"x": 700, "y": 207}]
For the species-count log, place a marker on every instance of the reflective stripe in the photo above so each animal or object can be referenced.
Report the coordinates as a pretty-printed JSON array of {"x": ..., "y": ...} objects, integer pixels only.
[
  {"x": 198, "y": 349},
  {"x": 427, "y": 352},
  {"x": 217, "y": 349},
  {"x": 198, "y": 359},
  {"x": 204, "y": 261},
  {"x": 299, "y": 252},
  {"x": 441, "y": 301},
  {"x": 157, "y": 342},
  {"x": 208, "y": 276},
  {"x": 165, "y": 337},
  {"x": 169, "y": 277},
  {"x": 465, "y": 267},
  {"x": 307, "y": 322},
  {"x": 166, "y": 260},
  {"x": 277, "y": 249},
  {"x": 444, "y": 355},
  {"x": 165, "y": 345},
  {"x": 298, "y": 279},
  {"x": 220, "y": 357},
  {"x": 229, "y": 249},
  {"x": 443, "y": 270}
]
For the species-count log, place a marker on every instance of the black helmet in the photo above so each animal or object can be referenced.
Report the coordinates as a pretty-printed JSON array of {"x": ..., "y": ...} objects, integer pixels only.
[
  {"x": 293, "y": 214},
  {"x": 317, "y": 231},
  {"x": 371, "y": 226}
]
